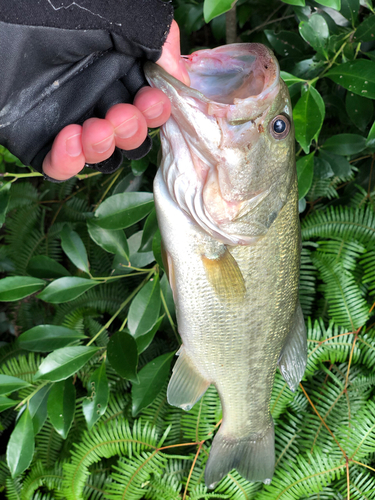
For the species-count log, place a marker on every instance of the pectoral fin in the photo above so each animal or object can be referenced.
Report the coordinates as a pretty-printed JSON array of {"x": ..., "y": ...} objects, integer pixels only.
[
  {"x": 293, "y": 358},
  {"x": 187, "y": 385},
  {"x": 225, "y": 276}
]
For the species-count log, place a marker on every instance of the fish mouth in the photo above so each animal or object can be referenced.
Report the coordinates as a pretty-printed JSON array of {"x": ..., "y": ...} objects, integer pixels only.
[{"x": 244, "y": 74}]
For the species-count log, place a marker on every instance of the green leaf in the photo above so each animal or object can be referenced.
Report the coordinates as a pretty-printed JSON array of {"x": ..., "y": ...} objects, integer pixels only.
[
  {"x": 64, "y": 362},
  {"x": 137, "y": 259},
  {"x": 38, "y": 408},
  {"x": 45, "y": 338},
  {"x": 322, "y": 168},
  {"x": 359, "y": 109},
  {"x": 42, "y": 266},
  {"x": 113, "y": 241},
  {"x": 214, "y": 8},
  {"x": 333, "y": 4},
  {"x": 139, "y": 166},
  {"x": 299, "y": 3},
  {"x": 152, "y": 378},
  {"x": 143, "y": 341},
  {"x": 61, "y": 406},
  {"x": 66, "y": 289},
  {"x": 6, "y": 403},
  {"x": 366, "y": 31},
  {"x": 123, "y": 210},
  {"x": 290, "y": 79},
  {"x": 357, "y": 76},
  {"x": 95, "y": 405},
  {"x": 10, "y": 384},
  {"x": 308, "y": 116},
  {"x": 305, "y": 172},
  {"x": 340, "y": 166},
  {"x": 122, "y": 354},
  {"x": 156, "y": 248},
  {"x": 316, "y": 33},
  {"x": 144, "y": 309},
  {"x": 149, "y": 230},
  {"x": 286, "y": 43},
  {"x": 4, "y": 201},
  {"x": 128, "y": 184},
  {"x": 20, "y": 448},
  {"x": 74, "y": 248},
  {"x": 349, "y": 9},
  {"x": 370, "y": 141},
  {"x": 345, "y": 144},
  {"x": 18, "y": 287}
]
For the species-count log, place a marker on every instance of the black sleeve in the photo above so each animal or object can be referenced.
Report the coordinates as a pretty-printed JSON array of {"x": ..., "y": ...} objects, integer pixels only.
[{"x": 64, "y": 61}]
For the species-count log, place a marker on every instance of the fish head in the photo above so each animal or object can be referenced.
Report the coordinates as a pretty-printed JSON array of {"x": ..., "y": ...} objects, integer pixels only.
[{"x": 228, "y": 148}]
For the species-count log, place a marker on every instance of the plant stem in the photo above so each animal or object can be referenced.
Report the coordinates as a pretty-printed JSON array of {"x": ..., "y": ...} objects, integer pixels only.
[
  {"x": 126, "y": 301},
  {"x": 231, "y": 25}
]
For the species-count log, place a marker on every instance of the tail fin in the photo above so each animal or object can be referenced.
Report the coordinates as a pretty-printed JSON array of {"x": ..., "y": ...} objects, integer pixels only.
[{"x": 253, "y": 458}]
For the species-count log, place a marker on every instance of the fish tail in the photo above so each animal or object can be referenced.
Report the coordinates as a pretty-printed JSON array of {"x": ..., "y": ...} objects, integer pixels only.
[{"x": 253, "y": 458}]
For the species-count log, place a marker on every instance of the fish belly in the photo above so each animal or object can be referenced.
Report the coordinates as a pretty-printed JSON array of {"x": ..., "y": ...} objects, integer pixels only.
[{"x": 234, "y": 344}]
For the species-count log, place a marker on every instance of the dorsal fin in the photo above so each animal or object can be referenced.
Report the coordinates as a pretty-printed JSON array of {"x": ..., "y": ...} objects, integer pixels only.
[{"x": 225, "y": 276}]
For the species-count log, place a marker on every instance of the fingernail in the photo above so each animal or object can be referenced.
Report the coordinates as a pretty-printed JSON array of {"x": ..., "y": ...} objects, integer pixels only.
[
  {"x": 73, "y": 145},
  {"x": 127, "y": 128},
  {"x": 154, "y": 111},
  {"x": 104, "y": 145}
]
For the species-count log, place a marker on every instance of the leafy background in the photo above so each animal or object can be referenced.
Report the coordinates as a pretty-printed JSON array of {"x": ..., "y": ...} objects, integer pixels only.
[{"x": 87, "y": 318}]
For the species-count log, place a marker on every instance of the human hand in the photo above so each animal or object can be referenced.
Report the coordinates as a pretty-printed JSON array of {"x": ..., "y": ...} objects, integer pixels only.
[{"x": 124, "y": 126}]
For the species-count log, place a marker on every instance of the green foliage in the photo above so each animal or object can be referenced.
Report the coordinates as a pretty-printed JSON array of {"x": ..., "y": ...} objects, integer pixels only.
[{"x": 87, "y": 317}]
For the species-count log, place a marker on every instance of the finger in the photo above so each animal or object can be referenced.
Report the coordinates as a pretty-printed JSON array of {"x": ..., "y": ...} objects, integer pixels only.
[
  {"x": 129, "y": 125},
  {"x": 171, "y": 59},
  {"x": 154, "y": 105},
  {"x": 98, "y": 140},
  {"x": 66, "y": 157}
]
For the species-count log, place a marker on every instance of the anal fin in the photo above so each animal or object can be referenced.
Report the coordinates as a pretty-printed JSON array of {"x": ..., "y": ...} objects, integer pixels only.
[
  {"x": 187, "y": 385},
  {"x": 293, "y": 358}
]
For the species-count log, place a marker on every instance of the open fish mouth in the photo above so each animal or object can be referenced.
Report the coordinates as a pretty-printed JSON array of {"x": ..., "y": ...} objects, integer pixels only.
[
  {"x": 239, "y": 71},
  {"x": 224, "y": 77}
]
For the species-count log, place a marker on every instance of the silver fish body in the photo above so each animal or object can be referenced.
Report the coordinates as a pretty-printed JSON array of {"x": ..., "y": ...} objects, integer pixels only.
[{"x": 227, "y": 204}]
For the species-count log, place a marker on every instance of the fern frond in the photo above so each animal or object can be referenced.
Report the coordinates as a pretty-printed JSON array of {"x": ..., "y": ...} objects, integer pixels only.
[
  {"x": 48, "y": 445},
  {"x": 286, "y": 439},
  {"x": 4, "y": 472},
  {"x": 361, "y": 486},
  {"x": 310, "y": 474},
  {"x": 334, "y": 350},
  {"x": 199, "y": 423},
  {"x": 105, "y": 441},
  {"x": 169, "y": 485},
  {"x": 347, "y": 307},
  {"x": 14, "y": 488},
  {"x": 23, "y": 367},
  {"x": 368, "y": 264},
  {"x": 21, "y": 194},
  {"x": 366, "y": 343},
  {"x": 359, "y": 437},
  {"x": 95, "y": 486},
  {"x": 307, "y": 282},
  {"x": 40, "y": 476},
  {"x": 74, "y": 210},
  {"x": 235, "y": 487},
  {"x": 133, "y": 475},
  {"x": 341, "y": 222},
  {"x": 346, "y": 252},
  {"x": 281, "y": 396}
]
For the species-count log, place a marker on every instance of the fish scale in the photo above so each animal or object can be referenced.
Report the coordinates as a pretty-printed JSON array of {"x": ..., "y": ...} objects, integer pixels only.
[{"x": 233, "y": 272}]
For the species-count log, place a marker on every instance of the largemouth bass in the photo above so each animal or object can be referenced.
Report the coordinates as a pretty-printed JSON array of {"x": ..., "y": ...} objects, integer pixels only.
[{"x": 227, "y": 204}]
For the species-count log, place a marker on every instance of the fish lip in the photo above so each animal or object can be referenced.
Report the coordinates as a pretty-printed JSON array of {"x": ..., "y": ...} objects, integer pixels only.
[{"x": 158, "y": 77}]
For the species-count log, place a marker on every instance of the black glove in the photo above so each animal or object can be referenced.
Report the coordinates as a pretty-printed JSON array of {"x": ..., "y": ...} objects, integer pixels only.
[{"x": 64, "y": 61}]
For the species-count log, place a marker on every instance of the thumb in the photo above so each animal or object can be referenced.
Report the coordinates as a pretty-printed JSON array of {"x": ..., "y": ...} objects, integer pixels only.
[{"x": 170, "y": 59}]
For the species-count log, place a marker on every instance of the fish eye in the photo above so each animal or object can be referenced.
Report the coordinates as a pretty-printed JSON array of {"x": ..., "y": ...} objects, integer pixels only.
[{"x": 279, "y": 127}]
